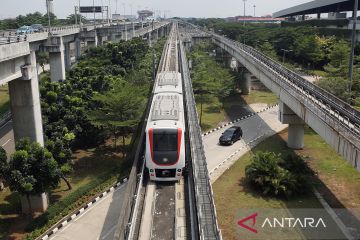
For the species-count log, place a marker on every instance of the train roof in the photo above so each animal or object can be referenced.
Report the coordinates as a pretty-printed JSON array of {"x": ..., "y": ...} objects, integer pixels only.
[
  {"x": 169, "y": 81},
  {"x": 167, "y": 110}
]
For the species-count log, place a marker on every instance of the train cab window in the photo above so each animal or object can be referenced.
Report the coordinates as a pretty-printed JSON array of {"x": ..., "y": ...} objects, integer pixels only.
[{"x": 165, "y": 141}]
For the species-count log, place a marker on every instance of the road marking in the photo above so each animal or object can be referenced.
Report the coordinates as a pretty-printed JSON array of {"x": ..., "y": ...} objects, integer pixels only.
[
  {"x": 83, "y": 213},
  {"x": 108, "y": 233},
  {"x": 6, "y": 142}
]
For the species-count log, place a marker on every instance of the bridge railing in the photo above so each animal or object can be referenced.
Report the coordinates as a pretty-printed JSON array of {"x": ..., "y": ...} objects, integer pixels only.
[
  {"x": 206, "y": 219},
  {"x": 331, "y": 109},
  {"x": 10, "y": 36}
]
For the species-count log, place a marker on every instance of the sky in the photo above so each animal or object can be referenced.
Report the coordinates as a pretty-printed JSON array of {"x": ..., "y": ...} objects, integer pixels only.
[{"x": 179, "y": 8}]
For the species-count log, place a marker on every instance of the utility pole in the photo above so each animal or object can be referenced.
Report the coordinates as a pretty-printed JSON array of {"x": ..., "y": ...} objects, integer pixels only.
[
  {"x": 353, "y": 42},
  {"x": 94, "y": 11},
  {"x": 285, "y": 51},
  {"x": 254, "y": 10},
  {"x": 126, "y": 36},
  {"x": 151, "y": 45},
  {"x": 48, "y": 13},
  {"x": 79, "y": 14},
  {"x": 244, "y": 10}
]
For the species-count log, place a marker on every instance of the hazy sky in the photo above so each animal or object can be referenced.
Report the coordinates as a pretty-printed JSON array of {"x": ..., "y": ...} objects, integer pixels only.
[{"x": 181, "y": 8}]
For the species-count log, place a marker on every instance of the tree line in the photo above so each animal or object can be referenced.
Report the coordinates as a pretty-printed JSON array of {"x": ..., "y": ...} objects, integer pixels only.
[
  {"x": 211, "y": 81},
  {"x": 38, "y": 18},
  {"x": 103, "y": 96},
  {"x": 303, "y": 48}
]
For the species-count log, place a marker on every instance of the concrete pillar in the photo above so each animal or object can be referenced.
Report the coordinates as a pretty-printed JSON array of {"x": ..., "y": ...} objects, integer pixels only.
[
  {"x": 296, "y": 126},
  {"x": 25, "y": 103},
  {"x": 57, "y": 66},
  {"x": 113, "y": 37},
  {"x": 133, "y": 30},
  {"x": 149, "y": 38},
  {"x": 246, "y": 85},
  {"x": 67, "y": 56},
  {"x": 100, "y": 40},
  {"x": 93, "y": 42},
  {"x": 39, "y": 203},
  {"x": 126, "y": 32},
  {"x": 77, "y": 48},
  {"x": 56, "y": 49}
]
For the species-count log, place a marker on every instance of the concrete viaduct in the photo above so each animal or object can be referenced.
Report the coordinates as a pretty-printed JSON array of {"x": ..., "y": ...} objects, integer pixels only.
[
  {"x": 18, "y": 65},
  {"x": 301, "y": 102}
]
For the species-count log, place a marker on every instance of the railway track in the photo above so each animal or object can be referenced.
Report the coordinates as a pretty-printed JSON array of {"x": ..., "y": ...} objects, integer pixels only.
[
  {"x": 172, "y": 199},
  {"x": 161, "y": 205}
]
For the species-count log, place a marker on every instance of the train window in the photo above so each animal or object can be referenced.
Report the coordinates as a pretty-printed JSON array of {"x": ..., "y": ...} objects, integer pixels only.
[{"x": 165, "y": 141}]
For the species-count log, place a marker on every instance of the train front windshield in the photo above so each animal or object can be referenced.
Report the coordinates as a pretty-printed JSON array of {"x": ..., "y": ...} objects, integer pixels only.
[
  {"x": 165, "y": 146},
  {"x": 165, "y": 142}
]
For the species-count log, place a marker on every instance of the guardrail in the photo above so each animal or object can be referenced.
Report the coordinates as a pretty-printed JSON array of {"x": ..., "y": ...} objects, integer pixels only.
[
  {"x": 335, "y": 112},
  {"x": 10, "y": 36},
  {"x": 205, "y": 224}
]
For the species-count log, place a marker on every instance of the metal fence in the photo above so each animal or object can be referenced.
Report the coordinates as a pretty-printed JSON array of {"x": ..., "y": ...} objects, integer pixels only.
[
  {"x": 10, "y": 36},
  {"x": 206, "y": 218}
]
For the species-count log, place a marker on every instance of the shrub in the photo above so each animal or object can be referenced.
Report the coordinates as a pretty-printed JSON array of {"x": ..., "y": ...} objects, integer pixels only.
[
  {"x": 76, "y": 199},
  {"x": 273, "y": 176}
]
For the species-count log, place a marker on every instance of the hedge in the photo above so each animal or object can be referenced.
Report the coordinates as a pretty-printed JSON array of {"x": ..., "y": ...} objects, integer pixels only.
[{"x": 71, "y": 202}]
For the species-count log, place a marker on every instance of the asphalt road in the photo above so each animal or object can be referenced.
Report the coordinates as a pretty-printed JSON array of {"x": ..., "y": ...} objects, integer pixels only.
[
  {"x": 264, "y": 123},
  {"x": 96, "y": 223},
  {"x": 7, "y": 138}
]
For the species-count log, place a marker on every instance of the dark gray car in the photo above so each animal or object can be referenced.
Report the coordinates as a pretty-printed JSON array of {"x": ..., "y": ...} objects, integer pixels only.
[{"x": 230, "y": 136}]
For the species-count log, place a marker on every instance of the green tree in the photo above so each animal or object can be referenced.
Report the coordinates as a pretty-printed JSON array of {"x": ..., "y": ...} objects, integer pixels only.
[
  {"x": 42, "y": 58},
  {"x": 31, "y": 171},
  {"x": 267, "y": 172},
  {"x": 339, "y": 58},
  {"x": 3, "y": 164},
  {"x": 72, "y": 18},
  {"x": 119, "y": 110},
  {"x": 60, "y": 148}
]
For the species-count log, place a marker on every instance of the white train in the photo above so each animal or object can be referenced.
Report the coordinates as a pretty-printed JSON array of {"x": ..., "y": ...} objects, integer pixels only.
[{"x": 165, "y": 130}]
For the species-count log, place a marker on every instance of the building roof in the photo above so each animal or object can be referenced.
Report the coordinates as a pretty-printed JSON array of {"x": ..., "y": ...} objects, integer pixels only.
[{"x": 317, "y": 6}]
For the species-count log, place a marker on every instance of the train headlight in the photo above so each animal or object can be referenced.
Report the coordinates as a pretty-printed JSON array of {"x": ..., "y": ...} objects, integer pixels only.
[
  {"x": 179, "y": 170},
  {"x": 151, "y": 170}
]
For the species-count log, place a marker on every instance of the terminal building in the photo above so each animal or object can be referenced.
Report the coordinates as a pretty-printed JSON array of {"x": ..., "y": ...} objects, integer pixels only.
[
  {"x": 333, "y": 17},
  {"x": 144, "y": 14},
  {"x": 334, "y": 8}
]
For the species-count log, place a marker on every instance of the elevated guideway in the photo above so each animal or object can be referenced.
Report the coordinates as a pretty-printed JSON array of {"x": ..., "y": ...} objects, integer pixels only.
[
  {"x": 185, "y": 209},
  {"x": 301, "y": 102}
]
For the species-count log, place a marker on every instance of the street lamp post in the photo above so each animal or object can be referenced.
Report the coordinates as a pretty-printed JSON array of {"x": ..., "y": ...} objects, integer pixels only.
[
  {"x": 244, "y": 10},
  {"x": 353, "y": 42},
  {"x": 79, "y": 14},
  {"x": 285, "y": 51},
  {"x": 48, "y": 13},
  {"x": 254, "y": 9}
]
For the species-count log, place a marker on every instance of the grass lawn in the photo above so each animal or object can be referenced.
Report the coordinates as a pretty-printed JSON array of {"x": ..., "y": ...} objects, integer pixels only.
[
  {"x": 232, "y": 107},
  {"x": 334, "y": 176},
  {"x": 338, "y": 180},
  {"x": 4, "y": 99},
  {"x": 263, "y": 96},
  {"x": 89, "y": 164},
  {"x": 210, "y": 118}
]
